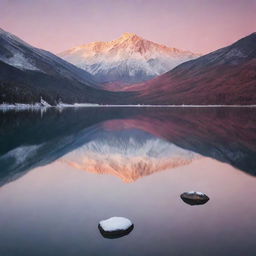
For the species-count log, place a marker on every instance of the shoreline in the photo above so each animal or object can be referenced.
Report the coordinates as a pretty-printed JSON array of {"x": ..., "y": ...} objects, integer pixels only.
[{"x": 38, "y": 106}]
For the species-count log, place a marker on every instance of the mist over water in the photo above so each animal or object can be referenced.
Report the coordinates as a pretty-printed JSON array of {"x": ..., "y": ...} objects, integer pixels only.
[{"x": 64, "y": 171}]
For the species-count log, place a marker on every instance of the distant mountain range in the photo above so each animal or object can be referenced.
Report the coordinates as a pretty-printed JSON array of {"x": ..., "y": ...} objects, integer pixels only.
[
  {"x": 27, "y": 73},
  {"x": 128, "y": 59},
  {"x": 225, "y": 76}
]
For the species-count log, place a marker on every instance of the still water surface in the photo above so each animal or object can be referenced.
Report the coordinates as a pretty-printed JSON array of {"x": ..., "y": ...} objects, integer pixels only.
[{"x": 64, "y": 171}]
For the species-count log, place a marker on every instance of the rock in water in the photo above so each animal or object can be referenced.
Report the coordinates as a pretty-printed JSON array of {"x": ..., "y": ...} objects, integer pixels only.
[
  {"x": 115, "y": 227},
  {"x": 194, "y": 198}
]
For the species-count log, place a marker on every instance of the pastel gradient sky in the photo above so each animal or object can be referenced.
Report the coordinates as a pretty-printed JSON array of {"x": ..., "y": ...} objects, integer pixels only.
[{"x": 196, "y": 25}]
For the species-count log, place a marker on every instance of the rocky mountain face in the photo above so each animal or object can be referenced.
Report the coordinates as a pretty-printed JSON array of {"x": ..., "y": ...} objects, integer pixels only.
[
  {"x": 126, "y": 60},
  {"x": 27, "y": 73},
  {"x": 225, "y": 76}
]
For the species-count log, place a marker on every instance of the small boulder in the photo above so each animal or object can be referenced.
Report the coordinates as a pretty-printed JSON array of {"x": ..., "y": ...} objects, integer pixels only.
[
  {"x": 194, "y": 198},
  {"x": 115, "y": 227}
]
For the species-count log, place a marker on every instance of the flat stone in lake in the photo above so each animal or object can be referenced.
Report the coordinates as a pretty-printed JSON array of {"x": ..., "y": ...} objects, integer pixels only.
[{"x": 194, "y": 198}]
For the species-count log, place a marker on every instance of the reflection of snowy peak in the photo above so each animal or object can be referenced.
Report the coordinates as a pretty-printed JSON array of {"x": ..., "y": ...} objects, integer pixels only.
[
  {"x": 128, "y": 155},
  {"x": 129, "y": 59}
]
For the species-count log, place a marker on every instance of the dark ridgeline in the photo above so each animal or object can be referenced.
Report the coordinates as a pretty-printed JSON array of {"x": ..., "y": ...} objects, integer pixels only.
[
  {"x": 228, "y": 135},
  {"x": 27, "y": 73},
  {"x": 225, "y": 76}
]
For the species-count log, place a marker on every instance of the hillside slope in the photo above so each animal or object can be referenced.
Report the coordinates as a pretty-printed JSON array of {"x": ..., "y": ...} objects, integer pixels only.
[
  {"x": 226, "y": 76},
  {"x": 27, "y": 73}
]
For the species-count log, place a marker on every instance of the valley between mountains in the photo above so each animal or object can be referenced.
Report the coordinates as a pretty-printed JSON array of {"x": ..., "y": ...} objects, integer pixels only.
[{"x": 128, "y": 70}]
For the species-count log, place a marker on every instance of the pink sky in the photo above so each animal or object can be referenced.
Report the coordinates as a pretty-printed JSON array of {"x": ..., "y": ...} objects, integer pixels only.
[{"x": 196, "y": 25}]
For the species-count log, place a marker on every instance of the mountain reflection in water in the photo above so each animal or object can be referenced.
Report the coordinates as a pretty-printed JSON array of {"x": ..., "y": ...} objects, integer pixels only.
[
  {"x": 128, "y": 154},
  {"x": 127, "y": 142}
]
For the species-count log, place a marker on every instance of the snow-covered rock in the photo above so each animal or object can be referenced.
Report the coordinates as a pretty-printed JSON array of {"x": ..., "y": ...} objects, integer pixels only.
[
  {"x": 115, "y": 224},
  {"x": 115, "y": 227},
  {"x": 194, "y": 198},
  {"x": 128, "y": 59}
]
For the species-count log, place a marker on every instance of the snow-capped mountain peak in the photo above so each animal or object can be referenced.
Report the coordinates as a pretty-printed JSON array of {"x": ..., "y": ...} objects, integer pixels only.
[
  {"x": 129, "y": 58},
  {"x": 128, "y": 36}
]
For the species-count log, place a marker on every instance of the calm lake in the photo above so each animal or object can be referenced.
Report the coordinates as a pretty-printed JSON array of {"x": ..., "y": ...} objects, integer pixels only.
[{"x": 64, "y": 170}]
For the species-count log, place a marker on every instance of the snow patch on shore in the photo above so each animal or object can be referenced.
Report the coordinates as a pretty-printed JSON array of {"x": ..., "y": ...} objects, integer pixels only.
[
  {"x": 77, "y": 105},
  {"x": 21, "y": 106}
]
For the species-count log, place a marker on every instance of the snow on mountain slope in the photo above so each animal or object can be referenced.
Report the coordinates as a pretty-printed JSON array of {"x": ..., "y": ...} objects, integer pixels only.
[
  {"x": 12, "y": 56},
  {"x": 19, "y": 61},
  {"x": 128, "y": 59},
  {"x": 226, "y": 76},
  {"x": 28, "y": 73},
  {"x": 19, "y": 54}
]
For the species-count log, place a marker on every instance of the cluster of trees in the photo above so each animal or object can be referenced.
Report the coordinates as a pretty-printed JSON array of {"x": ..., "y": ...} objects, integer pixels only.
[{"x": 20, "y": 93}]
